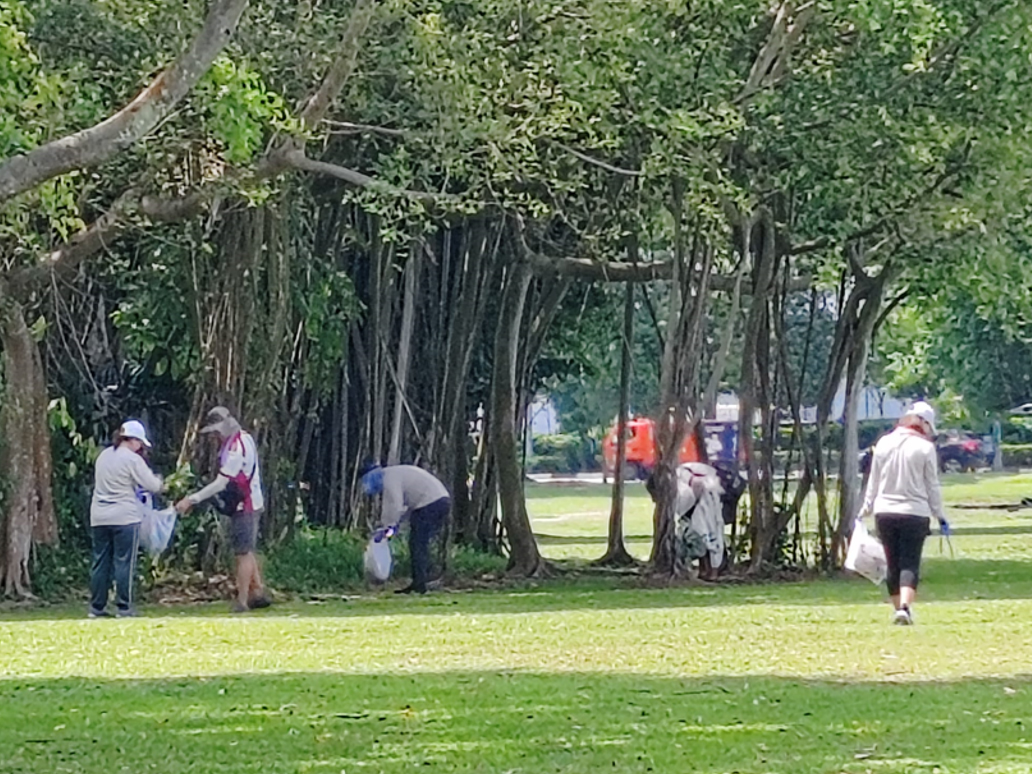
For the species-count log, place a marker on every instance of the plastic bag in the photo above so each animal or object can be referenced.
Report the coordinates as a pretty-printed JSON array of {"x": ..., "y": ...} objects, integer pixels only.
[
  {"x": 156, "y": 529},
  {"x": 866, "y": 555},
  {"x": 378, "y": 560}
]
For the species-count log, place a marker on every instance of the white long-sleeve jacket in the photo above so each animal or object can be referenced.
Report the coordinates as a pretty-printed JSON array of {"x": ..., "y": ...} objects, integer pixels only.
[{"x": 904, "y": 476}]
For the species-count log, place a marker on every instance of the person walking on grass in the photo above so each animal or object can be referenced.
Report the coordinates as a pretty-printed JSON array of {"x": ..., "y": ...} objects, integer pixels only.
[
  {"x": 238, "y": 487},
  {"x": 409, "y": 493},
  {"x": 903, "y": 494},
  {"x": 115, "y": 515}
]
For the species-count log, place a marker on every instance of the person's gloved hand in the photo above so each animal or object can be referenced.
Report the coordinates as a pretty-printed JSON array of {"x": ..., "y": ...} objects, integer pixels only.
[
  {"x": 384, "y": 532},
  {"x": 944, "y": 528}
]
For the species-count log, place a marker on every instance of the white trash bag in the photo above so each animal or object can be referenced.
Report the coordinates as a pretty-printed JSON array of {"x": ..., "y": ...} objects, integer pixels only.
[
  {"x": 866, "y": 555},
  {"x": 156, "y": 528},
  {"x": 378, "y": 560}
]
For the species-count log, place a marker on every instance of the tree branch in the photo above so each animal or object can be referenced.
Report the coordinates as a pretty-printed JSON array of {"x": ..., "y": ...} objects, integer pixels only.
[
  {"x": 599, "y": 163},
  {"x": 772, "y": 60},
  {"x": 347, "y": 127},
  {"x": 151, "y": 106},
  {"x": 105, "y": 230},
  {"x": 296, "y": 159},
  {"x": 319, "y": 103},
  {"x": 622, "y": 271},
  {"x": 158, "y": 99}
]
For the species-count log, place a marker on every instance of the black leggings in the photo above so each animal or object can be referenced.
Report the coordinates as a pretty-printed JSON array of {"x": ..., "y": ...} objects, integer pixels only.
[{"x": 903, "y": 536}]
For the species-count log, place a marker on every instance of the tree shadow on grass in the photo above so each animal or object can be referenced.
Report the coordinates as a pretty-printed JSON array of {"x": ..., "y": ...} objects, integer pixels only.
[
  {"x": 526, "y": 722},
  {"x": 587, "y": 540},
  {"x": 944, "y": 579}
]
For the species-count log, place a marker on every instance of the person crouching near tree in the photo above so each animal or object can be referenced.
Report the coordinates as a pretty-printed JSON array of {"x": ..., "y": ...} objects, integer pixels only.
[
  {"x": 903, "y": 493},
  {"x": 238, "y": 486},
  {"x": 409, "y": 493},
  {"x": 115, "y": 516}
]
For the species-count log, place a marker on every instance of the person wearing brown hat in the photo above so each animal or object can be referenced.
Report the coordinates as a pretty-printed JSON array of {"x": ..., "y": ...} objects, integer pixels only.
[{"x": 238, "y": 489}]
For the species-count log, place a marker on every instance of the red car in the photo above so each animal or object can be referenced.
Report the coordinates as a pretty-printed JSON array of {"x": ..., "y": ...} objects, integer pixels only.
[{"x": 960, "y": 451}]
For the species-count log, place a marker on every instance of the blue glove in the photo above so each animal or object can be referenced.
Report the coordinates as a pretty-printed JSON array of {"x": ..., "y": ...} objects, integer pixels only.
[
  {"x": 384, "y": 532},
  {"x": 944, "y": 528}
]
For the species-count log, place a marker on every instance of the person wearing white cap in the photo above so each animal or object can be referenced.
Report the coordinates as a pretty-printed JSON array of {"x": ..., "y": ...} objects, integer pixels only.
[
  {"x": 115, "y": 515},
  {"x": 903, "y": 493}
]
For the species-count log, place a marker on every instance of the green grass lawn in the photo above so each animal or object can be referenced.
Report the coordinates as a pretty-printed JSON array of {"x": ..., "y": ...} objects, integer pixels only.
[
  {"x": 571, "y": 519},
  {"x": 554, "y": 677}
]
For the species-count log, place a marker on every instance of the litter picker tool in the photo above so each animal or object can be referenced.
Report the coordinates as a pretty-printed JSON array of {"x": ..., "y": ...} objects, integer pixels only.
[{"x": 945, "y": 532}]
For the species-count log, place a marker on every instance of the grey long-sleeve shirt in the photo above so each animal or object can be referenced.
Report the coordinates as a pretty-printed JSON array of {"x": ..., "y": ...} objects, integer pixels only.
[
  {"x": 407, "y": 488},
  {"x": 117, "y": 473}
]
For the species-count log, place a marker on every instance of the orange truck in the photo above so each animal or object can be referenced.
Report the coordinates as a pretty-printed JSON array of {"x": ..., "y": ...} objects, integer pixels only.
[{"x": 641, "y": 449}]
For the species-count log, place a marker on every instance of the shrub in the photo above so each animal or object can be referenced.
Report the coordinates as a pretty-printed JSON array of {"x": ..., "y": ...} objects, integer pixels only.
[
  {"x": 467, "y": 561},
  {"x": 327, "y": 560},
  {"x": 317, "y": 560},
  {"x": 547, "y": 463},
  {"x": 1016, "y": 455},
  {"x": 60, "y": 572},
  {"x": 562, "y": 453}
]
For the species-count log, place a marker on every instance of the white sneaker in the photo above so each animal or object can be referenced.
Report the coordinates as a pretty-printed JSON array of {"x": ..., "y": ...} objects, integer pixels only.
[{"x": 903, "y": 617}]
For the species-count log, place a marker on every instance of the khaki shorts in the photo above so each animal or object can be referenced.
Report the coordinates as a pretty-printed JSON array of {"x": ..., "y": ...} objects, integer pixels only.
[{"x": 243, "y": 532}]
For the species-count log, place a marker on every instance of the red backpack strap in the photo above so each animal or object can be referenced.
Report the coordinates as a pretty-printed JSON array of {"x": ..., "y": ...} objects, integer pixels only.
[{"x": 241, "y": 479}]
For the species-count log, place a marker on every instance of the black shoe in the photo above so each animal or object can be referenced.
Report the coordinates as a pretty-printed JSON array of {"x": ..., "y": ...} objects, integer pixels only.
[
  {"x": 259, "y": 603},
  {"x": 411, "y": 589},
  {"x": 98, "y": 614}
]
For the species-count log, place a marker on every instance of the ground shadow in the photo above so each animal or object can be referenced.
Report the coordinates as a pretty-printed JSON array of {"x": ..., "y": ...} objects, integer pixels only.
[
  {"x": 944, "y": 579},
  {"x": 588, "y": 540},
  {"x": 526, "y": 722},
  {"x": 1002, "y": 530}
]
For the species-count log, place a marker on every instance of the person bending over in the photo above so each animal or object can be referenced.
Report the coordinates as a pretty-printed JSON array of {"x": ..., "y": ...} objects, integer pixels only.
[{"x": 408, "y": 492}]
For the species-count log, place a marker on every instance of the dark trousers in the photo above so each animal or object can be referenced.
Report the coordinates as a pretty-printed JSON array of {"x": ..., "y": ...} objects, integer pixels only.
[
  {"x": 425, "y": 523},
  {"x": 903, "y": 536},
  {"x": 114, "y": 557}
]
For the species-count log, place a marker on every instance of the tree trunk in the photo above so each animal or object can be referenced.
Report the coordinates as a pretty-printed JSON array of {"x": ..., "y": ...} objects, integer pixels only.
[
  {"x": 754, "y": 395},
  {"x": 709, "y": 401},
  {"x": 25, "y": 460},
  {"x": 616, "y": 552},
  {"x": 524, "y": 558},
  {"x": 849, "y": 464},
  {"x": 404, "y": 350}
]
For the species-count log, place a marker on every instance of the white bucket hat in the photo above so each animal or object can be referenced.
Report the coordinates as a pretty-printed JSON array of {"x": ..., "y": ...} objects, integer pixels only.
[
  {"x": 923, "y": 411},
  {"x": 134, "y": 429}
]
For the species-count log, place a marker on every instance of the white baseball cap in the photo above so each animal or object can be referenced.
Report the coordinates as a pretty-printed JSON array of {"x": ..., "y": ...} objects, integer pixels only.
[
  {"x": 134, "y": 429},
  {"x": 923, "y": 411}
]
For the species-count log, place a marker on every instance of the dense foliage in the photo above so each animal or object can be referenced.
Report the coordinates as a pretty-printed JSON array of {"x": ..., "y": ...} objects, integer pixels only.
[{"x": 380, "y": 228}]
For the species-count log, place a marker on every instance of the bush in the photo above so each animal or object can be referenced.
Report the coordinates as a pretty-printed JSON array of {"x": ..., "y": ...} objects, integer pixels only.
[
  {"x": 548, "y": 463},
  {"x": 470, "y": 562},
  {"x": 1017, "y": 430},
  {"x": 1016, "y": 455},
  {"x": 562, "y": 453},
  {"x": 317, "y": 560},
  {"x": 327, "y": 560},
  {"x": 60, "y": 572}
]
